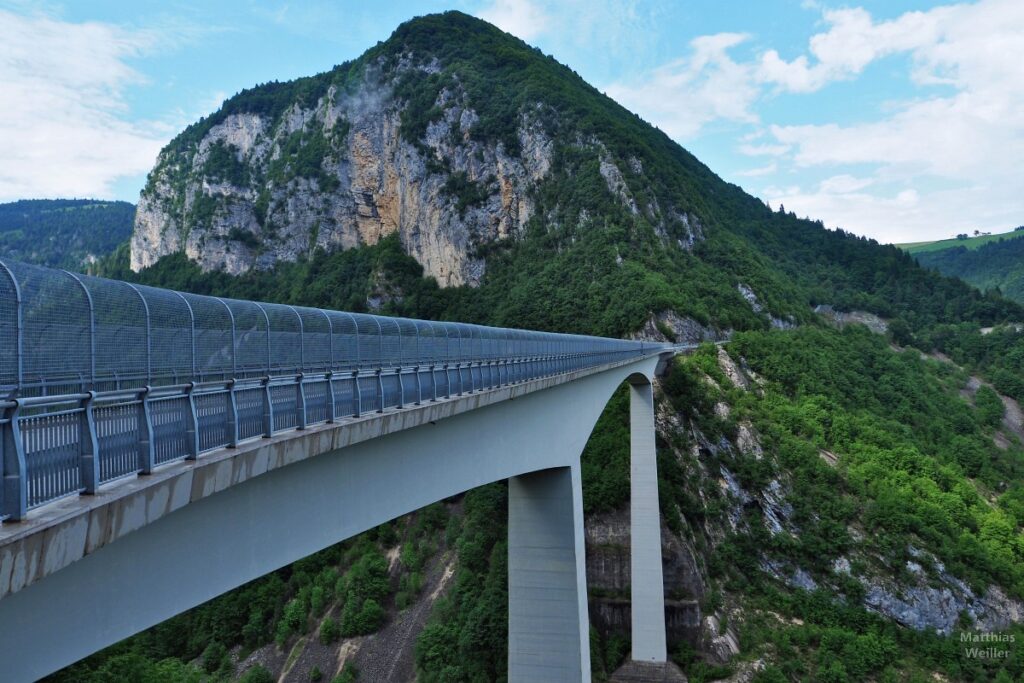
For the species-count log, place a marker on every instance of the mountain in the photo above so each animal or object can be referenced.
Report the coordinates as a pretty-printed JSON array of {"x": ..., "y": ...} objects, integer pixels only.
[
  {"x": 998, "y": 262},
  {"x": 67, "y": 233},
  {"x": 838, "y": 500}
]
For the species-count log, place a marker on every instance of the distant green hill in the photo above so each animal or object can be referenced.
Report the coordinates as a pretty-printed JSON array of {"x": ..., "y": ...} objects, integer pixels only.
[
  {"x": 63, "y": 232},
  {"x": 968, "y": 243},
  {"x": 985, "y": 262}
]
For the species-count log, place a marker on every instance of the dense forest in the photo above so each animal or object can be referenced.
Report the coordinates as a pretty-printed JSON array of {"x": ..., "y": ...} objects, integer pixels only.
[
  {"x": 65, "y": 233},
  {"x": 885, "y": 468}
]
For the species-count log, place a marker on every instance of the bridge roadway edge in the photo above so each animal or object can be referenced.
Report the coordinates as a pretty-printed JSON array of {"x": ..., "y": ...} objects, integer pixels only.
[{"x": 354, "y": 474}]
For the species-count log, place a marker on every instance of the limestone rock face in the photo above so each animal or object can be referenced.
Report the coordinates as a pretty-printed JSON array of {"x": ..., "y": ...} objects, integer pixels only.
[{"x": 339, "y": 174}]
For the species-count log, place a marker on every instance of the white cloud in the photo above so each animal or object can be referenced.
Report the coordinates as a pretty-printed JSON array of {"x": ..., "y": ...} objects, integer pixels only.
[
  {"x": 522, "y": 18},
  {"x": 942, "y": 158},
  {"x": 63, "y": 125},
  {"x": 763, "y": 150},
  {"x": 770, "y": 169},
  {"x": 969, "y": 142},
  {"x": 683, "y": 96},
  {"x": 844, "y": 183},
  {"x": 852, "y": 42}
]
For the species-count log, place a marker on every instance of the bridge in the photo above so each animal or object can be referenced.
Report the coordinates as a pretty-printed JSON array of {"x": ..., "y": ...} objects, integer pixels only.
[{"x": 160, "y": 448}]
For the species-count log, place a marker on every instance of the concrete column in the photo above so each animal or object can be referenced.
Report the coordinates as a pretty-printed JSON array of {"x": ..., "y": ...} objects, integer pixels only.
[
  {"x": 548, "y": 626},
  {"x": 648, "y": 587}
]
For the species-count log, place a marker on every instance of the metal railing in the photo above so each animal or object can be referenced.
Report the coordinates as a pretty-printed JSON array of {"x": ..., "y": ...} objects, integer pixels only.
[{"x": 101, "y": 380}]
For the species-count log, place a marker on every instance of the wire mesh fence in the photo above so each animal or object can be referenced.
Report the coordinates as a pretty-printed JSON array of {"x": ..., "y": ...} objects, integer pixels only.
[{"x": 101, "y": 379}]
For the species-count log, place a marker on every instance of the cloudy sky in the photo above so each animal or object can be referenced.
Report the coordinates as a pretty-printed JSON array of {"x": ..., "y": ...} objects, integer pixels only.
[{"x": 899, "y": 120}]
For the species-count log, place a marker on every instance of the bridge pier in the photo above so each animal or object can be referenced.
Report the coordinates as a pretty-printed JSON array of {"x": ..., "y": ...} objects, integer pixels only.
[
  {"x": 648, "y": 587},
  {"x": 548, "y": 626}
]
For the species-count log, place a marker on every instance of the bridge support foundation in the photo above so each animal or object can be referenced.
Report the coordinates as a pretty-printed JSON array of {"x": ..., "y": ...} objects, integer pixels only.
[{"x": 548, "y": 627}]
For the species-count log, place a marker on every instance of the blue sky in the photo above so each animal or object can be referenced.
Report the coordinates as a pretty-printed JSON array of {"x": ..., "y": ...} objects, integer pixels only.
[{"x": 898, "y": 120}]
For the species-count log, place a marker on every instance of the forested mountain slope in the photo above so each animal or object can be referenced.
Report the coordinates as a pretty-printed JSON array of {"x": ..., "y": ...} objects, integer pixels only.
[
  {"x": 835, "y": 506},
  {"x": 996, "y": 264},
  {"x": 69, "y": 233}
]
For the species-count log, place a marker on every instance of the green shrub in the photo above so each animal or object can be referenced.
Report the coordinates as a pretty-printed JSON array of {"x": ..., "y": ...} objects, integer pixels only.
[
  {"x": 256, "y": 674},
  {"x": 990, "y": 407},
  {"x": 329, "y": 631},
  {"x": 349, "y": 674}
]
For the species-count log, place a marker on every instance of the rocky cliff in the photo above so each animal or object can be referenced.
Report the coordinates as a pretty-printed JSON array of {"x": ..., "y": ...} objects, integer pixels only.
[{"x": 247, "y": 189}]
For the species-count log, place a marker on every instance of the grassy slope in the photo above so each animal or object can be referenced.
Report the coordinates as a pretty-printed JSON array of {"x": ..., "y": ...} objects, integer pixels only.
[{"x": 969, "y": 243}]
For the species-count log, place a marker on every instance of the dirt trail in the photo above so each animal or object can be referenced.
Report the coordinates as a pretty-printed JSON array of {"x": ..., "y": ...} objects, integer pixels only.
[{"x": 1013, "y": 420}]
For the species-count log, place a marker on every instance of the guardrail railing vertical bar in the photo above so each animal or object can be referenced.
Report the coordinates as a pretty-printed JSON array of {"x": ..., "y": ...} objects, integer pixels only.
[
  {"x": 331, "y": 410},
  {"x": 357, "y": 398},
  {"x": 88, "y": 446},
  {"x": 380, "y": 364},
  {"x": 147, "y": 445},
  {"x": 300, "y": 392},
  {"x": 401, "y": 388},
  {"x": 416, "y": 368},
  {"x": 232, "y": 415},
  {"x": 268, "y": 409},
  {"x": 191, "y": 424},
  {"x": 458, "y": 363},
  {"x": 300, "y": 406},
  {"x": 15, "y": 489}
]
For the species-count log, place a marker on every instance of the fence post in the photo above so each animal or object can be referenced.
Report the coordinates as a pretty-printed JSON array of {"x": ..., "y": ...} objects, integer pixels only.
[
  {"x": 302, "y": 340},
  {"x": 18, "y": 351},
  {"x": 330, "y": 395},
  {"x": 268, "y": 409},
  {"x": 149, "y": 334},
  {"x": 192, "y": 430},
  {"x": 192, "y": 335},
  {"x": 380, "y": 388},
  {"x": 234, "y": 348},
  {"x": 92, "y": 328},
  {"x": 401, "y": 387},
  {"x": 15, "y": 489},
  {"x": 147, "y": 447},
  {"x": 232, "y": 416},
  {"x": 419, "y": 386},
  {"x": 88, "y": 446},
  {"x": 357, "y": 403},
  {"x": 300, "y": 412}
]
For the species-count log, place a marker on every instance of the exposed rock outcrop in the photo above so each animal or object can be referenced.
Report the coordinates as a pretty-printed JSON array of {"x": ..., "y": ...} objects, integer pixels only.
[{"x": 364, "y": 181}]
